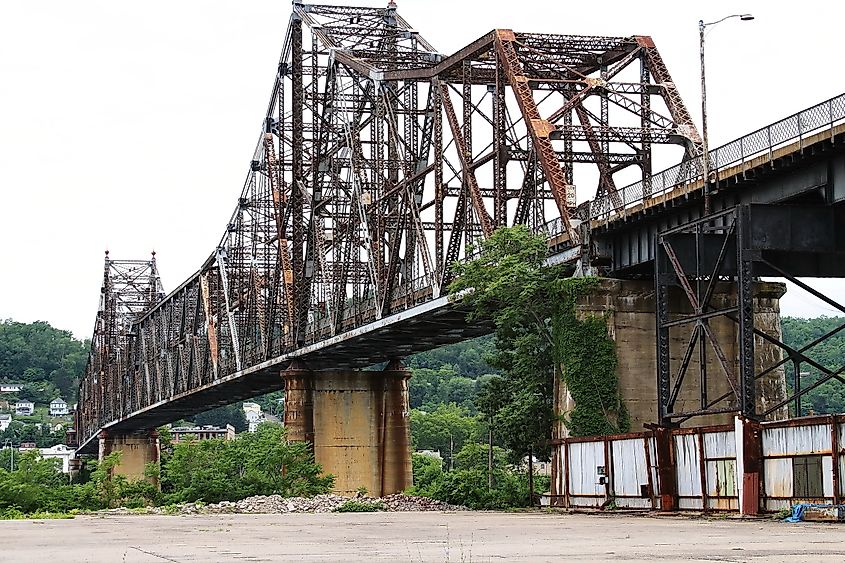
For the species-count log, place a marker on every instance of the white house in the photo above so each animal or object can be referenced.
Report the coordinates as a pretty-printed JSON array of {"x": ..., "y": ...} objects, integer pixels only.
[
  {"x": 58, "y": 407},
  {"x": 60, "y": 451},
  {"x": 5, "y": 421},
  {"x": 24, "y": 408},
  {"x": 253, "y": 415},
  {"x": 11, "y": 387}
]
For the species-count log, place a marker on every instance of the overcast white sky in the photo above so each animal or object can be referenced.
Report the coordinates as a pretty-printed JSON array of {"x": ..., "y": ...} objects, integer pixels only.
[{"x": 130, "y": 125}]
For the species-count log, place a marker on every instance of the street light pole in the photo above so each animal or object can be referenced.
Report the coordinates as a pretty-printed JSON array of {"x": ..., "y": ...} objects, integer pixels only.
[{"x": 702, "y": 27}]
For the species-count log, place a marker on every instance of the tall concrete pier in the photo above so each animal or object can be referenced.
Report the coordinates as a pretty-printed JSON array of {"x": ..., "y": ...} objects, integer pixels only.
[
  {"x": 357, "y": 422},
  {"x": 629, "y": 309},
  {"x": 137, "y": 449}
]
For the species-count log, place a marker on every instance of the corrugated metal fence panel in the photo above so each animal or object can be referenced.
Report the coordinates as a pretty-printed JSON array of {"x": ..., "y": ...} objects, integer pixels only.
[
  {"x": 719, "y": 445},
  {"x": 827, "y": 476},
  {"x": 783, "y": 448},
  {"x": 796, "y": 440},
  {"x": 652, "y": 448},
  {"x": 841, "y": 460},
  {"x": 630, "y": 473},
  {"x": 777, "y": 475},
  {"x": 720, "y": 457},
  {"x": 688, "y": 472},
  {"x": 584, "y": 459}
]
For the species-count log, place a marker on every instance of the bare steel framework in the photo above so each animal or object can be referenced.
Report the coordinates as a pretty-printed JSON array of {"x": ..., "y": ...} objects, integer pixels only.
[
  {"x": 734, "y": 248},
  {"x": 380, "y": 162}
]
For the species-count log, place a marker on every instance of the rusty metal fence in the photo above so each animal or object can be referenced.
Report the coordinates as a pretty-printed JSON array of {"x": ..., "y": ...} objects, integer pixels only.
[{"x": 803, "y": 460}]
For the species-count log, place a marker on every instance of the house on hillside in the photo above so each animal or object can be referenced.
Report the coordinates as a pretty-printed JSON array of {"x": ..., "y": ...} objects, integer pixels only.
[
  {"x": 61, "y": 452},
  {"x": 5, "y": 421},
  {"x": 11, "y": 387},
  {"x": 58, "y": 407},
  {"x": 253, "y": 415},
  {"x": 24, "y": 408}
]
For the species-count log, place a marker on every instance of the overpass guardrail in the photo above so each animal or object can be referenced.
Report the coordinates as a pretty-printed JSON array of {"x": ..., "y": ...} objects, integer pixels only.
[{"x": 799, "y": 126}]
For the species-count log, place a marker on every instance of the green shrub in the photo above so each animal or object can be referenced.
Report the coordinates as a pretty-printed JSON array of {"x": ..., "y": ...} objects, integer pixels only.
[
  {"x": 360, "y": 506},
  {"x": 426, "y": 470},
  {"x": 259, "y": 463}
]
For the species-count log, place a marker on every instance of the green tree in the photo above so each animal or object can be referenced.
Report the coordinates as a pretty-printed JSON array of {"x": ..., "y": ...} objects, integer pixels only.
[
  {"x": 259, "y": 463},
  {"x": 532, "y": 307},
  {"x": 829, "y": 397},
  {"x": 468, "y": 358},
  {"x": 36, "y": 352},
  {"x": 445, "y": 430},
  {"x": 221, "y": 416},
  {"x": 426, "y": 470},
  {"x": 467, "y": 485},
  {"x": 476, "y": 456},
  {"x": 40, "y": 392}
]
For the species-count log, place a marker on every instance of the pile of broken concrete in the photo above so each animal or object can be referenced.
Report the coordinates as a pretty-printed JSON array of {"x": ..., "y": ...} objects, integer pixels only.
[{"x": 275, "y": 504}]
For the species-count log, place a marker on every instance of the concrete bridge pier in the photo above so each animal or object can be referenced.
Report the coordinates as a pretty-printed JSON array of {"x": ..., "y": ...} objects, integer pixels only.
[
  {"x": 629, "y": 309},
  {"x": 357, "y": 423},
  {"x": 137, "y": 450}
]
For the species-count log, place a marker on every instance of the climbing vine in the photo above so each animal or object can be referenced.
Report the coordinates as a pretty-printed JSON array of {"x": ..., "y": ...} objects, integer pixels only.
[{"x": 586, "y": 356}]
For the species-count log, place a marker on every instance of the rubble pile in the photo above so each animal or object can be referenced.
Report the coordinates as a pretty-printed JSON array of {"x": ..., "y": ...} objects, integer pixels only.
[
  {"x": 275, "y": 504},
  {"x": 405, "y": 503}
]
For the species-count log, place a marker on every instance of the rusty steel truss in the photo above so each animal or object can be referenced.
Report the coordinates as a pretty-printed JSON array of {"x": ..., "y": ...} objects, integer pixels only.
[{"x": 379, "y": 164}]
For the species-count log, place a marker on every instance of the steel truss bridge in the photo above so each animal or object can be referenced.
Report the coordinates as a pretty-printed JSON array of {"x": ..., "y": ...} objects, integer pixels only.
[{"x": 379, "y": 163}]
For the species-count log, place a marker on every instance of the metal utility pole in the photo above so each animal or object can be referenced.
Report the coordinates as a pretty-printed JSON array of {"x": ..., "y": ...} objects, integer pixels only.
[{"x": 706, "y": 152}]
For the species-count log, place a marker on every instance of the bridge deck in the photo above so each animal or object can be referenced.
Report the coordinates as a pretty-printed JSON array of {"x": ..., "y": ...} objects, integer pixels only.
[{"x": 730, "y": 175}]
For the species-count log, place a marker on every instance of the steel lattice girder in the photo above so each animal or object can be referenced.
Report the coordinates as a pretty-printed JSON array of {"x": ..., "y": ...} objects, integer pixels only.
[
  {"x": 735, "y": 248},
  {"x": 380, "y": 163}
]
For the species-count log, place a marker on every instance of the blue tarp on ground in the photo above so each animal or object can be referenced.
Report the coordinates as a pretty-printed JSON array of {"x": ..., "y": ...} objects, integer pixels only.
[{"x": 798, "y": 511}]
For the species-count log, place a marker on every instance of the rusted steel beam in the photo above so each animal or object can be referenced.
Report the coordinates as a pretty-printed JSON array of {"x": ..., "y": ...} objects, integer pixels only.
[
  {"x": 466, "y": 162},
  {"x": 537, "y": 127}
]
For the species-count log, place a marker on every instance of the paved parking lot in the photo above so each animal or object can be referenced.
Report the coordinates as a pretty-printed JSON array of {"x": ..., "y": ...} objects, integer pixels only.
[{"x": 414, "y": 537}]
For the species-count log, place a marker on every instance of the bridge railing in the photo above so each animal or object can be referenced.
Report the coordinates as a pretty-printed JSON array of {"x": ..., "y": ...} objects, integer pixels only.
[{"x": 761, "y": 142}]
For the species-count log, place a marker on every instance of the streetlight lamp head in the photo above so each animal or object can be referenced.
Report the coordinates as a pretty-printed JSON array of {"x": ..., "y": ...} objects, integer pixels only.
[{"x": 746, "y": 17}]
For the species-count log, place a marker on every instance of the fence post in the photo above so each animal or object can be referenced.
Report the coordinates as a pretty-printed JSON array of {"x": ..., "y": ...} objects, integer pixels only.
[
  {"x": 667, "y": 481},
  {"x": 835, "y": 458},
  {"x": 749, "y": 452}
]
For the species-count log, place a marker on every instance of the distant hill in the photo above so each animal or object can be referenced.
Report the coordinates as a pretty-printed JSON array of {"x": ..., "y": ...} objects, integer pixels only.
[
  {"x": 829, "y": 397},
  {"x": 48, "y": 360}
]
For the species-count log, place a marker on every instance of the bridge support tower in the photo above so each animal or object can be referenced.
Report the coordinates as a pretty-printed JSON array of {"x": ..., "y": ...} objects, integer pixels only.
[
  {"x": 137, "y": 450},
  {"x": 356, "y": 421},
  {"x": 629, "y": 309}
]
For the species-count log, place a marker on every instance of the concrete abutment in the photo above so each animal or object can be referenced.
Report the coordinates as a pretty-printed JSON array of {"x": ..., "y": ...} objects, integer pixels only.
[{"x": 357, "y": 423}]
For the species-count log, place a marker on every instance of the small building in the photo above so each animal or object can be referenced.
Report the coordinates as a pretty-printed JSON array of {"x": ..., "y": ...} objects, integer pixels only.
[
  {"x": 5, "y": 421},
  {"x": 184, "y": 433},
  {"x": 11, "y": 387},
  {"x": 58, "y": 407},
  {"x": 253, "y": 415},
  {"x": 24, "y": 408},
  {"x": 432, "y": 454},
  {"x": 61, "y": 452}
]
